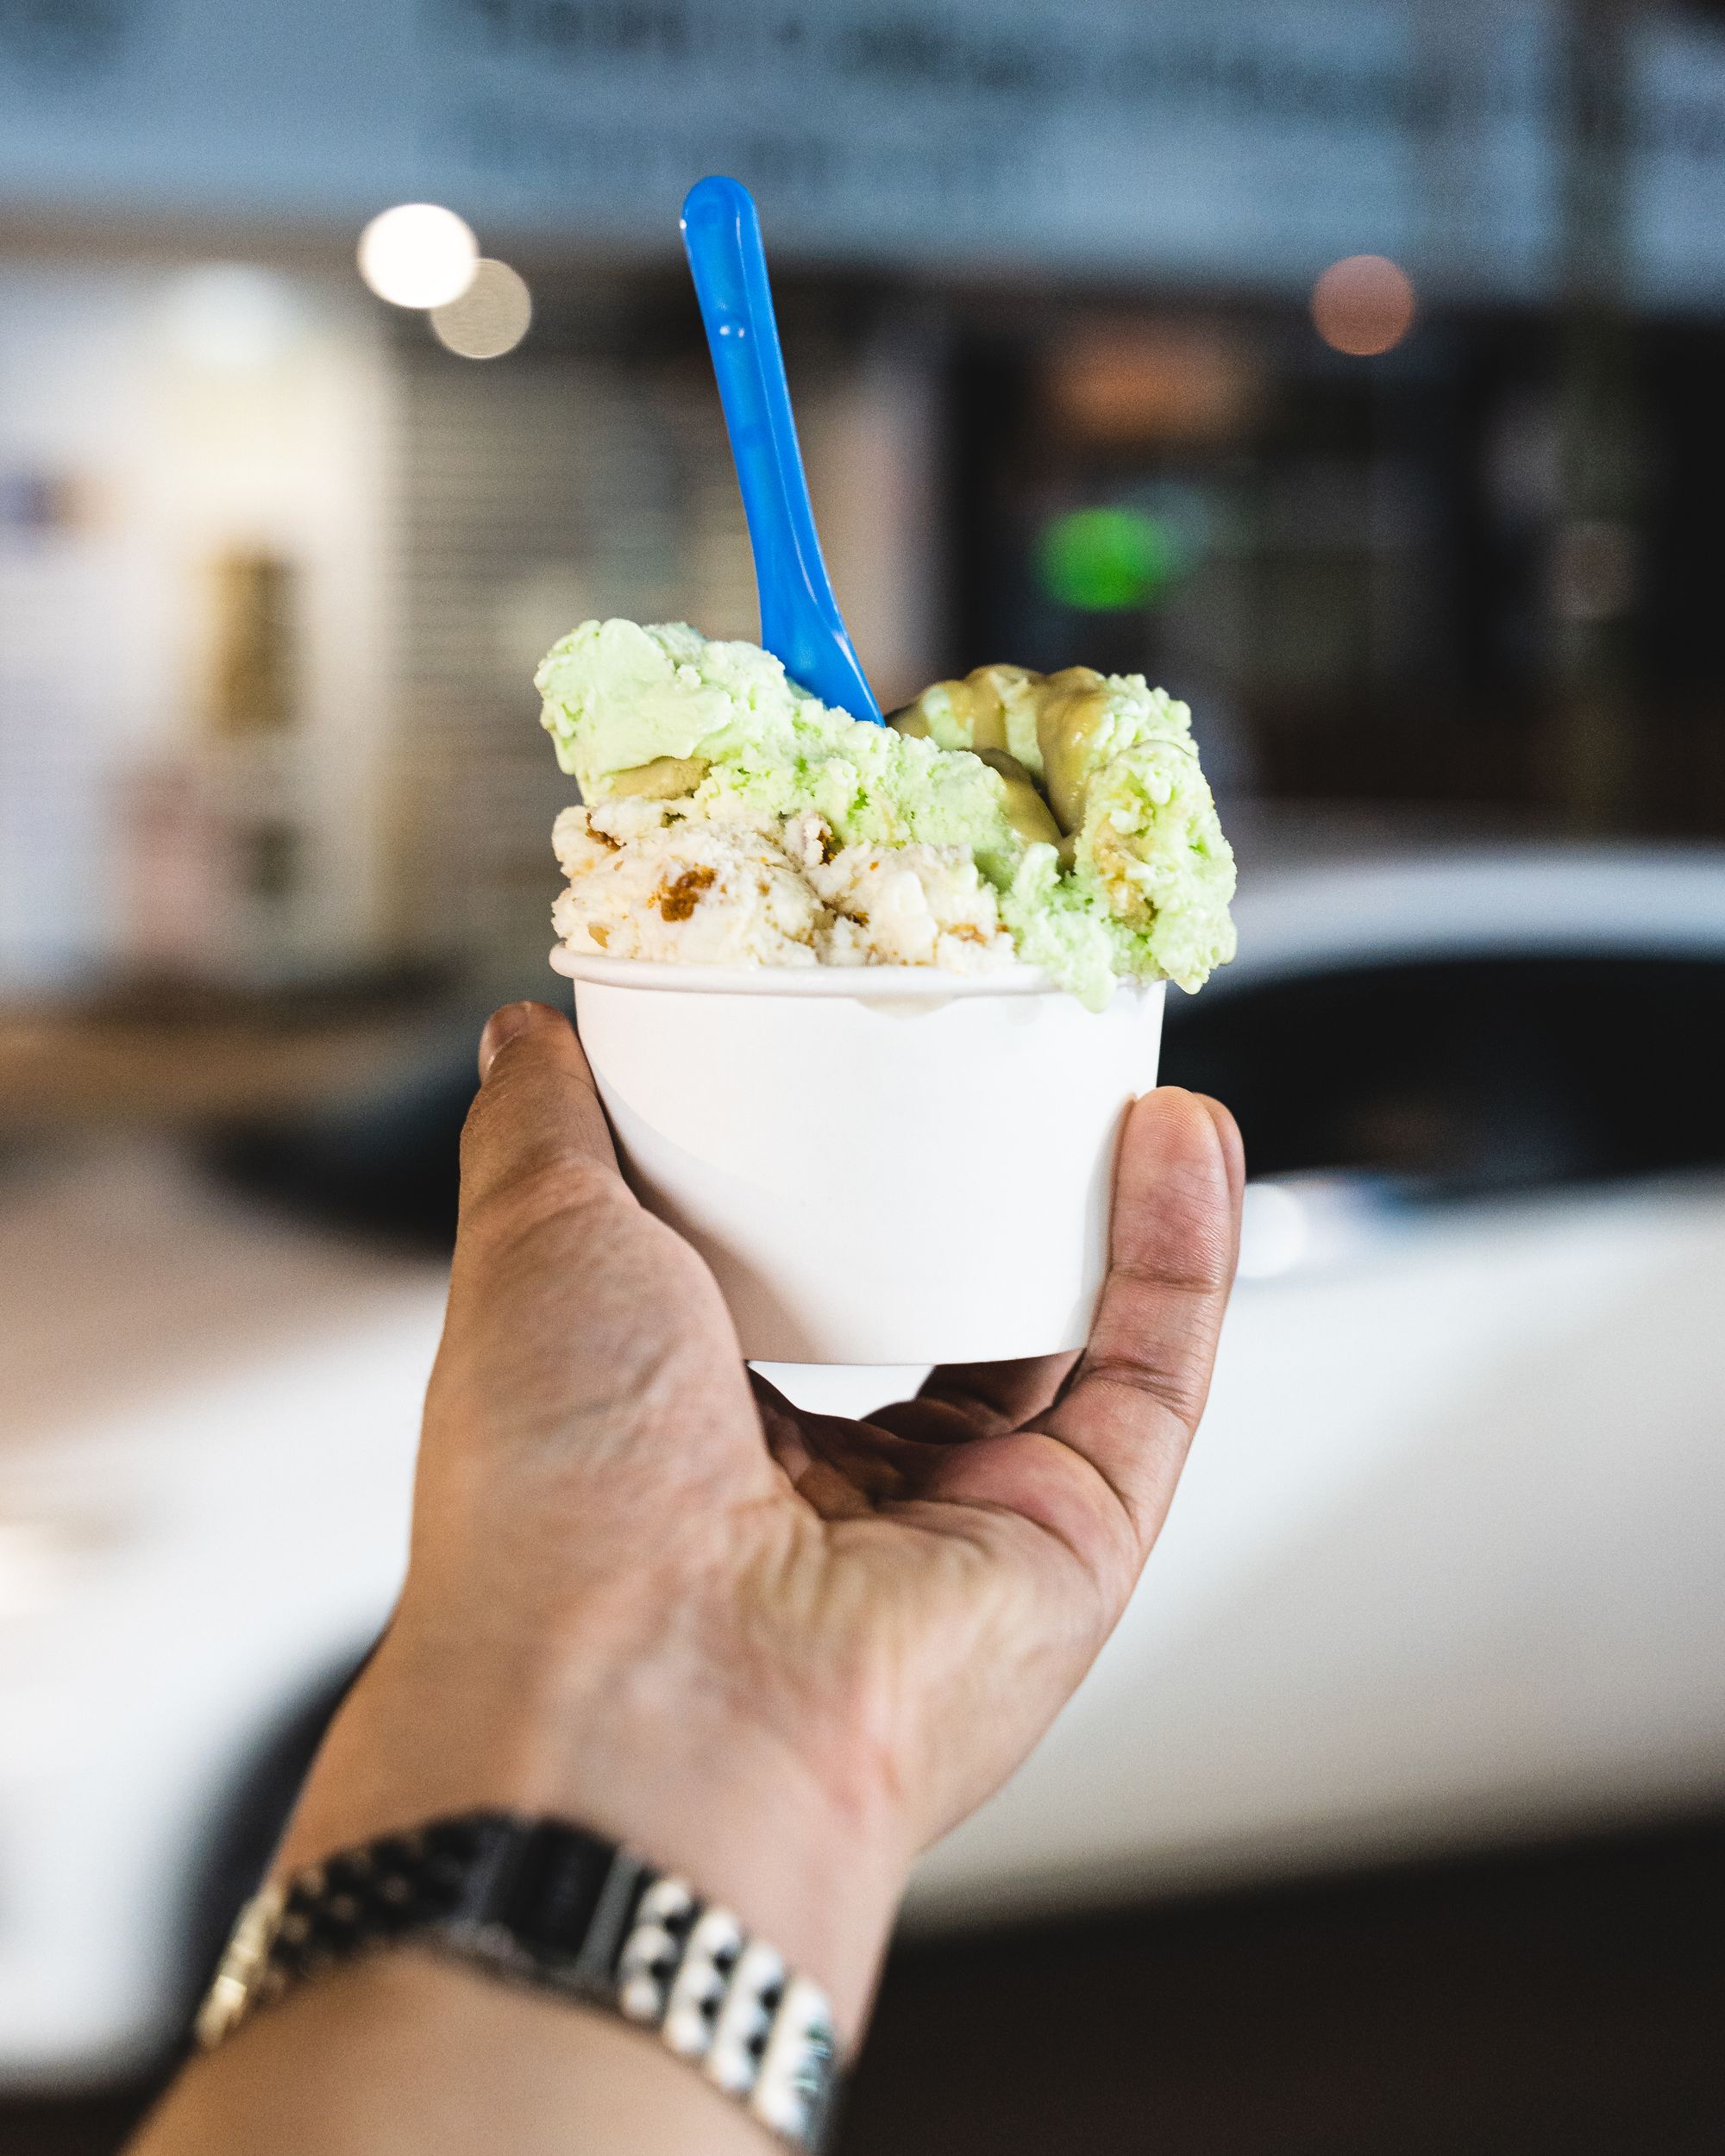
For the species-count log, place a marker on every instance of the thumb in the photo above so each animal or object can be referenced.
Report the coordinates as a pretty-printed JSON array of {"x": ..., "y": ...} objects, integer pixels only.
[
  {"x": 578, "y": 1324},
  {"x": 537, "y": 1122}
]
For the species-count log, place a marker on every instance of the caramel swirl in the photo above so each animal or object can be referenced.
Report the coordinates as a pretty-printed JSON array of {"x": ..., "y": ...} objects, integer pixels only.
[
  {"x": 666, "y": 778},
  {"x": 1042, "y": 725}
]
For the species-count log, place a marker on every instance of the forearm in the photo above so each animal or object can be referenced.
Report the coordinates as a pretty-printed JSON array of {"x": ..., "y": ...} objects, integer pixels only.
[
  {"x": 435, "y": 1729},
  {"x": 403, "y": 2052},
  {"x": 402, "y": 2055}
]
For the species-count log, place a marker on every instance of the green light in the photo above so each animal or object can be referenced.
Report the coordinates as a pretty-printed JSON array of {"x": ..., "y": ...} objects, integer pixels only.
[{"x": 1103, "y": 560}]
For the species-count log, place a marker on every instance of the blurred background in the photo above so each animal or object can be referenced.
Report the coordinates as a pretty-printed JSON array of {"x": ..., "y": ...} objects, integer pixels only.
[{"x": 1351, "y": 366}]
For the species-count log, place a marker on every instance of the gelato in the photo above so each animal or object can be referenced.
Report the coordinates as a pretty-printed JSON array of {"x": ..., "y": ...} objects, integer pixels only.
[
  {"x": 655, "y": 880},
  {"x": 730, "y": 819}
]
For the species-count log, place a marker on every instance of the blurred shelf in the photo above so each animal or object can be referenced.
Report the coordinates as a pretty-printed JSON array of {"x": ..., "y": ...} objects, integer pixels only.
[{"x": 173, "y": 1055}]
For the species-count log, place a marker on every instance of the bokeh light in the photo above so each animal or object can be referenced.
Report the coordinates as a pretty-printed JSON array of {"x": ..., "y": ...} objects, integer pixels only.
[
  {"x": 418, "y": 255},
  {"x": 1124, "y": 383},
  {"x": 1364, "y": 304},
  {"x": 1102, "y": 561},
  {"x": 491, "y": 318}
]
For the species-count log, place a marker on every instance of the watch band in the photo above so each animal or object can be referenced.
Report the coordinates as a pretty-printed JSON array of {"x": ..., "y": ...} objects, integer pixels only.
[{"x": 541, "y": 1903}]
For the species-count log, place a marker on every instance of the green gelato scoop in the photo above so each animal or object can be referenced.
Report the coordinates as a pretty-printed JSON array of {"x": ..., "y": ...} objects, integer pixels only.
[{"x": 1077, "y": 795}]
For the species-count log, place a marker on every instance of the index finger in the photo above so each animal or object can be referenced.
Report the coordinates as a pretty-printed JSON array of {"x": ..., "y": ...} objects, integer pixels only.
[{"x": 1135, "y": 1397}]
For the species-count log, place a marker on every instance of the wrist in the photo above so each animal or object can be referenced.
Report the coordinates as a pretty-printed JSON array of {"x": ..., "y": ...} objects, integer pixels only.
[{"x": 660, "y": 1765}]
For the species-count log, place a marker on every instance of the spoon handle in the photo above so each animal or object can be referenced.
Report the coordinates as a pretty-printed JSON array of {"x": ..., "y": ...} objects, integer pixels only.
[{"x": 801, "y": 622}]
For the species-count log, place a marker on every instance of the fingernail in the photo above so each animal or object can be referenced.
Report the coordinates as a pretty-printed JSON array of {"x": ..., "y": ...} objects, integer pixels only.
[{"x": 502, "y": 1025}]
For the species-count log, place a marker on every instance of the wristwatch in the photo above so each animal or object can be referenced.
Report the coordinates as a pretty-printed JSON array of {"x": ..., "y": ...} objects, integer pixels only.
[{"x": 544, "y": 1903}]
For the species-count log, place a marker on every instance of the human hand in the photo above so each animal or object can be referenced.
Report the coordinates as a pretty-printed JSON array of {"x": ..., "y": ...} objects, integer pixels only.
[{"x": 779, "y": 1652}]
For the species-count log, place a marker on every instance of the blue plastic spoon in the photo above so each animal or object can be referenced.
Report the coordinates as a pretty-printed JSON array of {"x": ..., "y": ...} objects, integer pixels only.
[{"x": 801, "y": 622}]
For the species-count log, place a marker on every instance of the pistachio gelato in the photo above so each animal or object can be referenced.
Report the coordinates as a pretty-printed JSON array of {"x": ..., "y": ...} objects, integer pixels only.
[{"x": 728, "y": 818}]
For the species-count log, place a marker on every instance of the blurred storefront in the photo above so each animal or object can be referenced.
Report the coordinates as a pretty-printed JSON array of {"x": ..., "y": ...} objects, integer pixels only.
[
  {"x": 1352, "y": 369},
  {"x": 275, "y": 564},
  {"x": 193, "y": 572}
]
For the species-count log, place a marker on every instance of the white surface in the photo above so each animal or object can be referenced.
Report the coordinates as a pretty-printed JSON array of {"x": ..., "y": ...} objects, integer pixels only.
[
  {"x": 840, "y": 1160},
  {"x": 205, "y": 1454},
  {"x": 1447, "y": 1562},
  {"x": 1598, "y": 899}
]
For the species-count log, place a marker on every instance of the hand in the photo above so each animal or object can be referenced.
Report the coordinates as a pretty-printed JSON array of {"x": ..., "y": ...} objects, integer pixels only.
[{"x": 781, "y": 1652}]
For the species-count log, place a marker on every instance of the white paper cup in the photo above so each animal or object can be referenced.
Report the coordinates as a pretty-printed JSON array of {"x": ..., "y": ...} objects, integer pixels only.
[{"x": 881, "y": 1164}]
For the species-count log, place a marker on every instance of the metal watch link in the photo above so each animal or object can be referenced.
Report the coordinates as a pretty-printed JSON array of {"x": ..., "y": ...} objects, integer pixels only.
[{"x": 543, "y": 1903}]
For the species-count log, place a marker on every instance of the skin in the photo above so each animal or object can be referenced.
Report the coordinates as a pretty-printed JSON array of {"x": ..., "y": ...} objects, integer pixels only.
[{"x": 781, "y": 1653}]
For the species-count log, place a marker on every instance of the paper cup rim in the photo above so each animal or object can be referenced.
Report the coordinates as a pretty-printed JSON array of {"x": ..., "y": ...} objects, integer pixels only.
[{"x": 862, "y": 984}]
